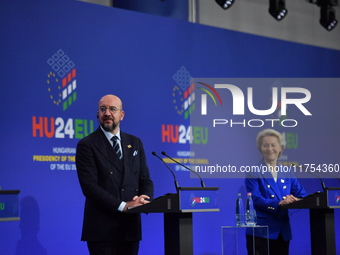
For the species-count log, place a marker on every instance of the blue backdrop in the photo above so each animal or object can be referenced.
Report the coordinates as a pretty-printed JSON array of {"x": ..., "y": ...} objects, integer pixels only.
[{"x": 59, "y": 57}]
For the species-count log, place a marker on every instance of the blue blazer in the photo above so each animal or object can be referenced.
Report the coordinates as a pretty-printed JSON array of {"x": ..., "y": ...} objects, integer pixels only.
[
  {"x": 106, "y": 182},
  {"x": 267, "y": 194}
]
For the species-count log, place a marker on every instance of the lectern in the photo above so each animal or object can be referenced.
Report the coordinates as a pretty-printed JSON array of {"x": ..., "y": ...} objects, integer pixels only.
[
  {"x": 9, "y": 205},
  {"x": 178, "y": 209},
  {"x": 321, "y": 207}
]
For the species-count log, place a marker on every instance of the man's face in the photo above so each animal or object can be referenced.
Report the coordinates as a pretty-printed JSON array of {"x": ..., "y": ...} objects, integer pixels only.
[{"x": 110, "y": 113}]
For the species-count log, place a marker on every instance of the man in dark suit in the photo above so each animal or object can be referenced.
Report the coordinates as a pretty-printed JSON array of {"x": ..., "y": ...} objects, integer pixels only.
[{"x": 113, "y": 176}]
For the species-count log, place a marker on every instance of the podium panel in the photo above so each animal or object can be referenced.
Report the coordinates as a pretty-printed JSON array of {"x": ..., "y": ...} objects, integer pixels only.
[
  {"x": 321, "y": 207},
  {"x": 234, "y": 240},
  {"x": 9, "y": 205},
  {"x": 187, "y": 199},
  {"x": 178, "y": 209}
]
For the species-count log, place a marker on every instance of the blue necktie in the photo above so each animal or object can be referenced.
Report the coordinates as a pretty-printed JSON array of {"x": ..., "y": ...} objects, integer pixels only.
[{"x": 116, "y": 147}]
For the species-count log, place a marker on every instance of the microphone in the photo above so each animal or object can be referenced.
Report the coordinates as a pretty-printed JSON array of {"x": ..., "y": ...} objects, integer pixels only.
[
  {"x": 323, "y": 173},
  {"x": 322, "y": 182},
  {"x": 202, "y": 182},
  {"x": 176, "y": 183},
  {"x": 330, "y": 175}
]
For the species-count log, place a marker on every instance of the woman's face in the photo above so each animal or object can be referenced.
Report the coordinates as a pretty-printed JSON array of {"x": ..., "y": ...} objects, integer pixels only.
[{"x": 270, "y": 148}]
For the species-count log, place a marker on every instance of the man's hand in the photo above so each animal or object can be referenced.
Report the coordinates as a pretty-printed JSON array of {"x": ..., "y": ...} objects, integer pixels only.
[{"x": 137, "y": 201}]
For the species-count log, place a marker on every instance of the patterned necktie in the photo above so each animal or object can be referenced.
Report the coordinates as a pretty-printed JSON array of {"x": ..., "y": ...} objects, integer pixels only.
[{"x": 116, "y": 147}]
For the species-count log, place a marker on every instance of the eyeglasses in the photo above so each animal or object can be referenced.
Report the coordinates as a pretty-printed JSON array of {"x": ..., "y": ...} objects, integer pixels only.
[{"x": 112, "y": 109}]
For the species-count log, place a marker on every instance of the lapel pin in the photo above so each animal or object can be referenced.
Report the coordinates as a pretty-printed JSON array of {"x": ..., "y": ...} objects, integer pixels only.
[{"x": 129, "y": 146}]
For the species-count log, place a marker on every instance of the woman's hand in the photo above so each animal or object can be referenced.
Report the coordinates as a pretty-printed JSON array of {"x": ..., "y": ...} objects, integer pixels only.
[{"x": 288, "y": 200}]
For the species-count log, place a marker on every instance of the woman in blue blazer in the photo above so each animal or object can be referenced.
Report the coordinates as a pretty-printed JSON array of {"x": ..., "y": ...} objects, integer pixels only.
[{"x": 272, "y": 186}]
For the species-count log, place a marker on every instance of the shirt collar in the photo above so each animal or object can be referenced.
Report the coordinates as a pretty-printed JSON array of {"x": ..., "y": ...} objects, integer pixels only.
[{"x": 110, "y": 135}]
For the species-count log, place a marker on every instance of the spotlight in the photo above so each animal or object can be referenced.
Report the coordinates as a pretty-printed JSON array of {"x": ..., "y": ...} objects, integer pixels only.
[
  {"x": 323, "y": 2},
  {"x": 327, "y": 13},
  {"x": 225, "y": 4},
  {"x": 328, "y": 19},
  {"x": 277, "y": 8}
]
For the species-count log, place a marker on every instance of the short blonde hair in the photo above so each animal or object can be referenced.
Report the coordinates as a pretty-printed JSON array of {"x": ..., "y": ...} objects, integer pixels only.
[{"x": 269, "y": 132}]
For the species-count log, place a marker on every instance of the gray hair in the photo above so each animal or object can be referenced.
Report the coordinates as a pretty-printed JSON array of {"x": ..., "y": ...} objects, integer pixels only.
[{"x": 269, "y": 132}]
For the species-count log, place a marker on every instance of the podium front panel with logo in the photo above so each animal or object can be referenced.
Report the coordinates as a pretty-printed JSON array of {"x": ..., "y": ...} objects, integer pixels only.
[
  {"x": 177, "y": 209},
  {"x": 9, "y": 205},
  {"x": 321, "y": 207}
]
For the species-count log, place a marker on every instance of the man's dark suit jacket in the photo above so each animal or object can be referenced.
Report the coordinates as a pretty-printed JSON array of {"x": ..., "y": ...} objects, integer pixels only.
[{"x": 106, "y": 182}]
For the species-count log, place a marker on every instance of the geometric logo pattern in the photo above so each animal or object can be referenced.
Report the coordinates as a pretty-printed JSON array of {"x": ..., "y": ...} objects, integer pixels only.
[
  {"x": 183, "y": 95},
  {"x": 182, "y": 78},
  {"x": 60, "y": 63},
  {"x": 61, "y": 80}
]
